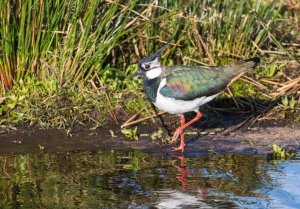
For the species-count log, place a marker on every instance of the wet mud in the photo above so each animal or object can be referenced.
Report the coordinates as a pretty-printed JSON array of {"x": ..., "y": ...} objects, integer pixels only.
[{"x": 257, "y": 140}]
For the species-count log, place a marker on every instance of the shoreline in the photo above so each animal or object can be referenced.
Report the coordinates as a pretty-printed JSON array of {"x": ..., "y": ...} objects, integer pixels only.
[{"x": 255, "y": 141}]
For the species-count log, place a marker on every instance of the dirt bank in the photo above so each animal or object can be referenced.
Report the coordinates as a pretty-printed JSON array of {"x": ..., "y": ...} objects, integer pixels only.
[{"x": 255, "y": 141}]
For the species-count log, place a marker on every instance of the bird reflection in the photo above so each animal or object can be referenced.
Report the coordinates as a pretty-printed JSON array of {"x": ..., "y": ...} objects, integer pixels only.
[
  {"x": 182, "y": 176},
  {"x": 184, "y": 198},
  {"x": 183, "y": 173}
]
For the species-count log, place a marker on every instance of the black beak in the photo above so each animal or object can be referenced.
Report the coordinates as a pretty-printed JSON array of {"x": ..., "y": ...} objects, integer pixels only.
[
  {"x": 162, "y": 49},
  {"x": 153, "y": 56},
  {"x": 136, "y": 74}
]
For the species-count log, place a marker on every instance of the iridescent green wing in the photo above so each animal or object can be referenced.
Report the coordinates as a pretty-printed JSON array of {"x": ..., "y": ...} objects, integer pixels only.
[{"x": 188, "y": 83}]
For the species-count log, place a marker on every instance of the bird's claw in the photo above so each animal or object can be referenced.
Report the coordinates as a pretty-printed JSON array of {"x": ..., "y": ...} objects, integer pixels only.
[
  {"x": 181, "y": 148},
  {"x": 176, "y": 135}
]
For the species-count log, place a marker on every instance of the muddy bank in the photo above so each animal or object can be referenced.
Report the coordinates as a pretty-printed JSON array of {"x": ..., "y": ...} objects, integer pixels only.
[{"x": 255, "y": 141}]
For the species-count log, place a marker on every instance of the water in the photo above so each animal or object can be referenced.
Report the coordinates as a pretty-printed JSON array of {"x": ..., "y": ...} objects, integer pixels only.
[{"x": 132, "y": 179}]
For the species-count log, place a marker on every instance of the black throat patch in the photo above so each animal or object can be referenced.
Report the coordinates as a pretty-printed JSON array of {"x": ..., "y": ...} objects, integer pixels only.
[{"x": 150, "y": 87}]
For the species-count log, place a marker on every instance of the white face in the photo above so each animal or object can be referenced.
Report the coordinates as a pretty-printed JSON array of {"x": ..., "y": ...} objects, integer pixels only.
[
  {"x": 154, "y": 73},
  {"x": 153, "y": 69},
  {"x": 150, "y": 65}
]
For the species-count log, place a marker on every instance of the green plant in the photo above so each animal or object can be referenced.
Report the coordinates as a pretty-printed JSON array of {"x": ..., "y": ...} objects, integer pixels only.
[
  {"x": 130, "y": 133},
  {"x": 70, "y": 40},
  {"x": 280, "y": 152},
  {"x": 46, "y": 105},
  {"x": 289, "y": 102}
]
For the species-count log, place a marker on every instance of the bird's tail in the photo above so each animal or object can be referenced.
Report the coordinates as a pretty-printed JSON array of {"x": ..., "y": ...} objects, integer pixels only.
[
  {"x": 244, "y": 65},
  {"x": 235, "y": 70}
]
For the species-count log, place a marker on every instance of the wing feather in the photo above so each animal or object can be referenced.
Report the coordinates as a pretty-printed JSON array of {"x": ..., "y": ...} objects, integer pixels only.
[{"x": 188, "y": 83}]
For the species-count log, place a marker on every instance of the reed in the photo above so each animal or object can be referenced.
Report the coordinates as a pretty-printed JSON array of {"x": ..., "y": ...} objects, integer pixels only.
[{"x": 92, "y": 46}]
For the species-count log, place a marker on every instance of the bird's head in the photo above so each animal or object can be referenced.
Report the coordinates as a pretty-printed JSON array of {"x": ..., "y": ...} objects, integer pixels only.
[{"x": 150, "y": 66}]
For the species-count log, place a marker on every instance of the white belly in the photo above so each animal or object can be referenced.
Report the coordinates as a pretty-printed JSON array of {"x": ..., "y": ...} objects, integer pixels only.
[{"x": 174, "y": 106}]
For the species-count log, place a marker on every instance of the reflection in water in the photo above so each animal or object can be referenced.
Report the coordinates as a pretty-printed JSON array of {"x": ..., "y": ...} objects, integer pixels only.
[
  {"x": 183, "y": 173},
  {"x": 138, "y": 180},
  {"x": 182, "y": 199},
  {"x": 172, "y": 199},
  {"x": 182, "y": 178}
]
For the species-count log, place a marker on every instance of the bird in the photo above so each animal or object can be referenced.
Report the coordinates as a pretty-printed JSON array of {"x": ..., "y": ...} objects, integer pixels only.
[{"x": 181, "y": 89}]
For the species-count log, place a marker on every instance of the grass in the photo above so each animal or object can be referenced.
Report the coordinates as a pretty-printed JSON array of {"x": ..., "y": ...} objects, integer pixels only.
[{"x": 65, "y": 62}]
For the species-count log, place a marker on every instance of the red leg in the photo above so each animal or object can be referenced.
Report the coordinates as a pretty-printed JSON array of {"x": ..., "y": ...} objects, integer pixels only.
[
  {"x": 180, "y": 130},
  {"x": 182, "y": 144}
]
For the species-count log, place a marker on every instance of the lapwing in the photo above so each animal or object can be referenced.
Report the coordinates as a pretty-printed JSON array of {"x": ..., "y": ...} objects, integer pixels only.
[{"x": 182, "y": 89}]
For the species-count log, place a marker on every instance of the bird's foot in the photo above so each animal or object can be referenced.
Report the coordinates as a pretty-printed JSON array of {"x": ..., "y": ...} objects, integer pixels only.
[
  {"x": 180, "y": 148},
  {"x": 176, "y": 134}
]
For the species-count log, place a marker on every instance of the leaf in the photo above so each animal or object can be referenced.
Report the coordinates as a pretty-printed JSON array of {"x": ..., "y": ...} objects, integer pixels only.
[
  {"x": 21, "y": 98},
  {"x": 285, "y": 101},
  {"x": 13, "y": 97},
  {"x": 130, "y": 133},
  {"x": 292, "y": 103},
  {"x": 11, "y": 105}
]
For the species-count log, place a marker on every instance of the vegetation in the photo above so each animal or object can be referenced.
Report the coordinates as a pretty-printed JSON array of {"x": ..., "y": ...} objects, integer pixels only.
[
  {"x": 69, "y": 62},
  {"x": 280, "y": 153}
]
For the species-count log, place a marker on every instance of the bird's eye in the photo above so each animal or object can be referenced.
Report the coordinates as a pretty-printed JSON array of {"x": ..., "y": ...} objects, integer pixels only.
[{"x": 147, "y": 67}]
